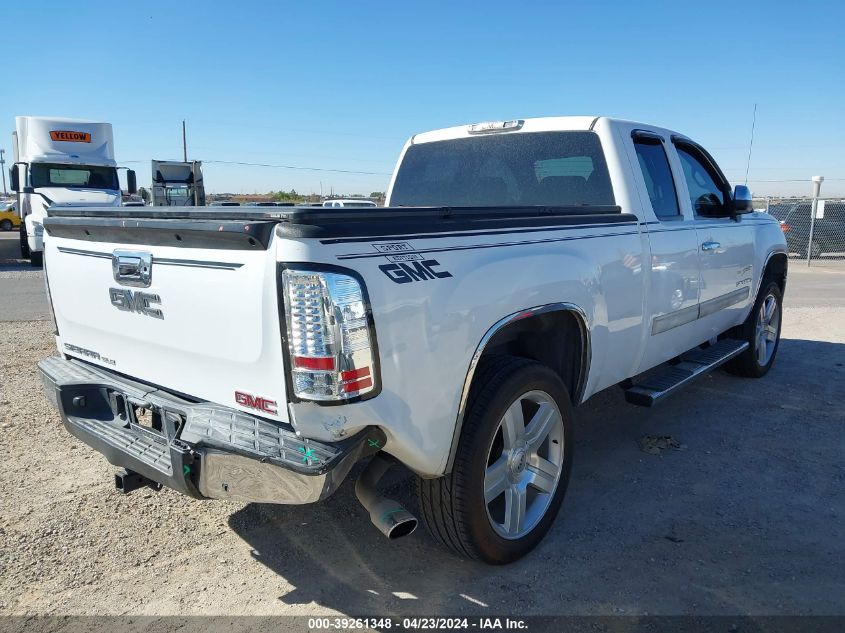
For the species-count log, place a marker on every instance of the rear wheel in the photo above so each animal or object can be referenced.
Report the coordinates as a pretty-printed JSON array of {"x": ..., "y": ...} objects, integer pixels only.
[
  {"x": 762, "y": 331},
  {"x": 6, "y": 225},
  {"x": 512, "y": 464}
]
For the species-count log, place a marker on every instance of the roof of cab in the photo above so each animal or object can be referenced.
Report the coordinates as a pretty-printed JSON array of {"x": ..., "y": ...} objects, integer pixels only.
[{"x": 539, "y": 124}]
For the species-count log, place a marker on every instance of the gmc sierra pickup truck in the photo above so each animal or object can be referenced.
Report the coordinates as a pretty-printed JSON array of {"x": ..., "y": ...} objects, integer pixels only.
[{"x": 519, "y": 267}]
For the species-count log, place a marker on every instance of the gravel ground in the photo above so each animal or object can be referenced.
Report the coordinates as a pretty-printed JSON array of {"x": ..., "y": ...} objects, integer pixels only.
[{"x": 746, "y": 519}]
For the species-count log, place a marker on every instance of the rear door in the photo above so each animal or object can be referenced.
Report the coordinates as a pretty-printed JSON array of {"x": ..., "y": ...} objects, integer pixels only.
[
  {"x": 189, "y": 306},
  {"x": 674, "y": 270},
  {"x": 725, "y": 245}
]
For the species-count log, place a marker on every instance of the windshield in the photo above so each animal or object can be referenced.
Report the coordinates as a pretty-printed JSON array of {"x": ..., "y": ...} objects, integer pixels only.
[
  {"x": 545, "y": 169},
  {"x": 85, "y": 176},
  {"x": 176, "y": 192}
]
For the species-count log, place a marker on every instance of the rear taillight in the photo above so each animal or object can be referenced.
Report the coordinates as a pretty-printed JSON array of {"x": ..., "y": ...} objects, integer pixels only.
[
  {"x": 785, "y": 227},
  {"x": 330, "y": 339}
]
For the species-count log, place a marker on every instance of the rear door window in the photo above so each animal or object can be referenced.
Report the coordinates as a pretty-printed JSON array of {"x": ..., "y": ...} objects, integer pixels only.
[{"x": 657, "y": 175}]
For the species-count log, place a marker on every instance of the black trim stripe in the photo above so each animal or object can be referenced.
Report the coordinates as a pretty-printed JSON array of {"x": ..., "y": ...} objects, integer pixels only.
[
  {"x": 446, "y": 249},
  {"x": 702, "y": 226},
  {"x": 545, "y": 229},
  {"x": 673, "y": 230},
  {"x": 569, "y": 223},
  {"x": 79, "y": 251},
  {"x": 161, "y": 261}
]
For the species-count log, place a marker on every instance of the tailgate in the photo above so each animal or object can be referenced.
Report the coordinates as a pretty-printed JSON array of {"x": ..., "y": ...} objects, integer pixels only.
[{"x": 190, "y": 306}]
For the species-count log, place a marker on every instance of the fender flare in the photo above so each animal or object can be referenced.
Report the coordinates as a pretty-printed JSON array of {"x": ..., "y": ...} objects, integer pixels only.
[{"x": 586, "y": 357}]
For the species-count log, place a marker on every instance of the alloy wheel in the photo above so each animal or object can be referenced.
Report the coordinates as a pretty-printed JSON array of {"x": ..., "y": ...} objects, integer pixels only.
[
  {"x": 767, "y": 330},
  {"x": 524, "y": 464}
]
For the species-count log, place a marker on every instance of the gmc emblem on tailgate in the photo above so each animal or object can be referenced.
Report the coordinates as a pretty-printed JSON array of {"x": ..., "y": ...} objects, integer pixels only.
[
  {"x": 137, "y": 301},
  {"x": 255, "y": 402}
]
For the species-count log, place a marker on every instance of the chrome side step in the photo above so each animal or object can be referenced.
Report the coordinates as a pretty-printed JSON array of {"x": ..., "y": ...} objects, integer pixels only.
[{"x": 693, "y": 364}]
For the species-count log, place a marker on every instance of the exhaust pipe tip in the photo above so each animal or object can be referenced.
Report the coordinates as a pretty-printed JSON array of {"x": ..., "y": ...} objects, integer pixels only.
[{"x": 393, "y": 520}]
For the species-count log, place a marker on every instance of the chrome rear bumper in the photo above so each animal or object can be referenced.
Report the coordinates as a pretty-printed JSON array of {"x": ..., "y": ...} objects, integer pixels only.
[{"x": 198, "y": 448}]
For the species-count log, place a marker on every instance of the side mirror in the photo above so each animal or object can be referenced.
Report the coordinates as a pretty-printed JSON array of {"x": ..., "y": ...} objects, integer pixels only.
[
  {"x": 131, "y": 181},
  {"x": 13, "y": 178},
  {"x": 742, "y": 200}
]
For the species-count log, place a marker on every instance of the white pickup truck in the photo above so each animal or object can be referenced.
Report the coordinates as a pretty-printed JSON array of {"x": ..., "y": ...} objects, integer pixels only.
[{"x": 519, "y": 268}]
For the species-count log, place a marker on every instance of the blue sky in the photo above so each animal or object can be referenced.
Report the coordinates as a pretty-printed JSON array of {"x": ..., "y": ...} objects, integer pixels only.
[{"x": 342, "y": 85}]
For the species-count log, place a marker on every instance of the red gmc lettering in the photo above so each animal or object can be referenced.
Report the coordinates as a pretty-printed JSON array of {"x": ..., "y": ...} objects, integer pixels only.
[{"x": 255, "y": 402}]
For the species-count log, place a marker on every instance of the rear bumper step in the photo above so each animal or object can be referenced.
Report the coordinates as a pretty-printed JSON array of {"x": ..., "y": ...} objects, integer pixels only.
[
  {"x": 200, "y": 449},
  {"x": 693, "y": 364}
]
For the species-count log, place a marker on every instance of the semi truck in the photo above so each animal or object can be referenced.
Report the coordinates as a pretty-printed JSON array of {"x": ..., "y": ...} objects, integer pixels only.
[
  {"x": 177, "y": 184},
  {"x": 64, "y": 163}
]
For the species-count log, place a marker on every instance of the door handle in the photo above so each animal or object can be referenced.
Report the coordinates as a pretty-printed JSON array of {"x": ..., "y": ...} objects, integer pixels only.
[{"x": 710, "y": 246}]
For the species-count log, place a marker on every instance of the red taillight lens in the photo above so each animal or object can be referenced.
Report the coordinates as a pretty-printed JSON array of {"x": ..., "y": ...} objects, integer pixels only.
[
  {"x": 785, "y": 227},
  {"x": 317, "y": 363},
  {"x": 358, "y": 385},
  {"x": 354, "y": 374},
  {"x": 355, "y": 380}
]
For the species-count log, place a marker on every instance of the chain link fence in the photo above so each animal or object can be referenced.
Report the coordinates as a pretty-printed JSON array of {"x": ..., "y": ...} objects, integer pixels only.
[{"x": 813, "y": 239}]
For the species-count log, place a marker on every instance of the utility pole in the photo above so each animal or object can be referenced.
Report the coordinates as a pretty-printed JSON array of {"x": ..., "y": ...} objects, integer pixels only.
[
  {"x": 3, "y": 169},
  {"x": 184, "y": 143}
]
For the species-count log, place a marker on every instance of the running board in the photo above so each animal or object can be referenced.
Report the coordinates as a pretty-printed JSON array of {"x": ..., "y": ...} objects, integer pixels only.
[{"x": 693, "y": 364}]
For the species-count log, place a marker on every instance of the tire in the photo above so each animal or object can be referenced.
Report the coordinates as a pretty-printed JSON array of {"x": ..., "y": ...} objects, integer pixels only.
[
  {"x": 6, "y": 225},
  {"x": 36, "y": 258},
  {"x": 756, "y": 361},
  {"x": 535, "y": 469},
  {"x": 24, "y": 243}
]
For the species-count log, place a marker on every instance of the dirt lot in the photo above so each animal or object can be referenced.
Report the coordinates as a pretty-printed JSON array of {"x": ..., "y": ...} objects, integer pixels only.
[{"x": 749, "y": 518}]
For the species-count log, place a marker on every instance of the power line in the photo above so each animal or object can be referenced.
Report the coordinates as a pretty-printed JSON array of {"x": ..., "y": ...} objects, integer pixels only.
[
  {"x": 296, "y": 167},
  {"x": 382, "y": 173},
  {"x": 300, "y": 168}
]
